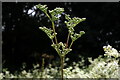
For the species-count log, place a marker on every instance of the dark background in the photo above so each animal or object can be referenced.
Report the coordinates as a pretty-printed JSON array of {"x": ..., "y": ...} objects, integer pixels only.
[{"x": 24, "y": 42}]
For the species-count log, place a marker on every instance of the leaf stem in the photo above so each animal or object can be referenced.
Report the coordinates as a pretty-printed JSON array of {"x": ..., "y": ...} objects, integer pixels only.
[
  {"x": 71, "y": 44},
  {"x": 67, "y": 40},
  {"x": 53, "y": 26}
]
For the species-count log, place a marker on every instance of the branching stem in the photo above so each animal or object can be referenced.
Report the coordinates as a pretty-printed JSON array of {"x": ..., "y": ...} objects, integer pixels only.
[{"x": 53, "y": 26}]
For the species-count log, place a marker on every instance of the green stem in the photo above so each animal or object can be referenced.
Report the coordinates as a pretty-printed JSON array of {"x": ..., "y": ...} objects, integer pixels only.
[
  {"x": 71, "y": 45},
  {"x": 67, "y": 40},
  {"x": 62, "y": 67},
  {"x": 53, "y": 26},
  {"x": 48, "y": 16}
]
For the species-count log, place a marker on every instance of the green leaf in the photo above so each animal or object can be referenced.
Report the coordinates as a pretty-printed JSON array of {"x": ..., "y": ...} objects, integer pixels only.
[
  {"x": 72, "y": 22},
  {"x": 49, "y": 32},
  {"x": 42, "y": 7},
  {"x": 56, "y": 13}
]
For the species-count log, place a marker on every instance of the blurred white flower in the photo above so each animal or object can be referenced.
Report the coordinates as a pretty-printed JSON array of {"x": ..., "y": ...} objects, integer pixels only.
[
  {"x": 111, "y": 51},
  {"x": 101, "y": 67},
  {"x": 67, "y": 59},
  {"x": 24, "y": 72},
  {"x": 1, "y": 76},
  {"x": 7, "y": 72},
  {"x": 28, "y": 75}
]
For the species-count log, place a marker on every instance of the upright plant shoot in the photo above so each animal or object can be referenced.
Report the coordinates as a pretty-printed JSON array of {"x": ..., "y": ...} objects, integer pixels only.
[{"x": 61, "y": 48}]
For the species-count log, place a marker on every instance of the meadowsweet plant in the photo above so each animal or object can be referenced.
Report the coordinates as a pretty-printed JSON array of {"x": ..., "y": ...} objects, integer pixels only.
[
  {"x": 61, "y": 48},
  {"x": 105, "y": 66},
  {"x": 111, "y": 52}
]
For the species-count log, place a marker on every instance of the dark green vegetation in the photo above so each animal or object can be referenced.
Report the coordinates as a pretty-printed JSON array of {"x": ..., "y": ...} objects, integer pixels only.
[{"x": 24, "y": 42}]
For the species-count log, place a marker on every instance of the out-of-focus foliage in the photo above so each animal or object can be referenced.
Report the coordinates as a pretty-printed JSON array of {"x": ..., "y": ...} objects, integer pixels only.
[{"x": 101, "y": 67}]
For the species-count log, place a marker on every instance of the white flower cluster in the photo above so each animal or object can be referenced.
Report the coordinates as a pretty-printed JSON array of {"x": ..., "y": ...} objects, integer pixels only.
[
  {"x": 111, "y": 51},
  {"x": 101, "y": 67}
]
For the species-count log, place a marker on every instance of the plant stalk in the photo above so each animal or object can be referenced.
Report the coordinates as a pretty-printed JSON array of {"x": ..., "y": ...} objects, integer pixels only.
[
  {"x": 62, "y": 66},
  {"x": 71, "y": 44},
  {"x": 53, "y": 26},
  {"x": 42, "y": 68},
  {"x": 67, "y": 40}
]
